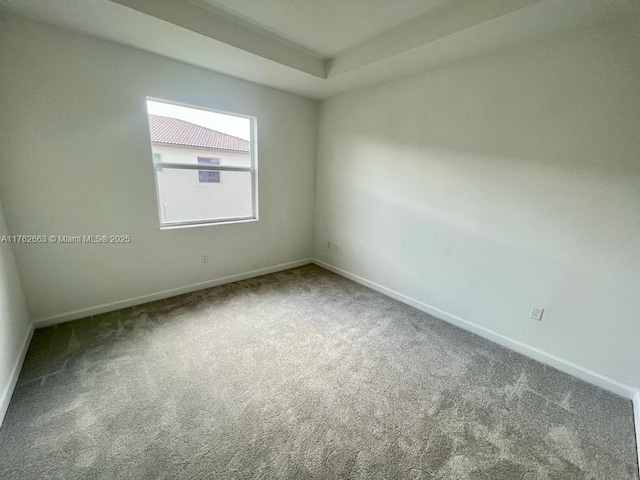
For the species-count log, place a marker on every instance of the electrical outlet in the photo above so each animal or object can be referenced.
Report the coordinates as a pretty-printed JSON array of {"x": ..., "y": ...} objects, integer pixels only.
[
  {"x": 204, "y": 258},
  {"x": 536, "y": 313},
  {"x": 333, "y": 247}
]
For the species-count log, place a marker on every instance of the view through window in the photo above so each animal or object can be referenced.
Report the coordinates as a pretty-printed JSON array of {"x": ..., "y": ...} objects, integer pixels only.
[{"x": 205, "y": 164}]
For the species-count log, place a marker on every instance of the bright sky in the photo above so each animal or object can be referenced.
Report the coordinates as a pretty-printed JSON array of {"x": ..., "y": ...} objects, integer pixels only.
[{"x": 229, "y": 124}]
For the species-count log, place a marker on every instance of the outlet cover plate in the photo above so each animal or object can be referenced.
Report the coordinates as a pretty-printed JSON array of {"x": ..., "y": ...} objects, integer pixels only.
[{"x": 536, "y": 313}]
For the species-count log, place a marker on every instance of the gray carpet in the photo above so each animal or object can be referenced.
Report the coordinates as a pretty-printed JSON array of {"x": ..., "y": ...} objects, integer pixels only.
[{"x": 300, "y": 374}]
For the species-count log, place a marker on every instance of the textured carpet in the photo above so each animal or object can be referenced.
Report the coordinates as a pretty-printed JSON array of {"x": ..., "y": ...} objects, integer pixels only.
[{"x": 300, "y": 374}]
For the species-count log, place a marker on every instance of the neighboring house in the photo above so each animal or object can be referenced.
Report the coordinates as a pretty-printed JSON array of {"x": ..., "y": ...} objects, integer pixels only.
[{"x": 198, "y": 194}]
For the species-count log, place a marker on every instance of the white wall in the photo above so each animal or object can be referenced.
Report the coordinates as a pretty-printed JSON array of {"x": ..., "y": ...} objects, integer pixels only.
[
  {"x": 76, "y": 159},
  {"x": 15, "y": 326},
  {"x": 183, "y": 197},
  {"x": 175, "y": 154},
  {"x": 493, "y": 185}
]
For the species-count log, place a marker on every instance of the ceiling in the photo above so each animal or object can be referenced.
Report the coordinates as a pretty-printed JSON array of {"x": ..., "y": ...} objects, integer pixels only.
[
  {"x": 321, "y": 48},
  {"x": 328, "y": 27}
]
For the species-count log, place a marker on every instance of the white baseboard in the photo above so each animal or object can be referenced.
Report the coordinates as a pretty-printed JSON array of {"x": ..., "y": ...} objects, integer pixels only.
[
  {"x": 573, "y": 369},
  {"x": 5, "y": 397},
  {"x": 636, "y": 420},
  {"x": 129, "y": 302}
]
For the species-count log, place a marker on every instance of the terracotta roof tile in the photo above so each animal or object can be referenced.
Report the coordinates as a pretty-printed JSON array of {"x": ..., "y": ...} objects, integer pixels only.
[{"x": 172, "y": 131}]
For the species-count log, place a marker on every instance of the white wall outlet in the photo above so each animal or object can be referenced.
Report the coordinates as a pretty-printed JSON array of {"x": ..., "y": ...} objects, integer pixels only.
[
  {"x": 536, "y": 313},
  {"x": 204, "y": 258}
]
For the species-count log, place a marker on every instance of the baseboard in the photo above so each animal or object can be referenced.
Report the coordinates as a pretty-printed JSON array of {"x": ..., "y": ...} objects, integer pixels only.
[
  {"x": 129, "y": 302},
  {"x": 636, "y": 421},
  {"x": 573, "y": 369},
  {"x": 5, "y": 398}
]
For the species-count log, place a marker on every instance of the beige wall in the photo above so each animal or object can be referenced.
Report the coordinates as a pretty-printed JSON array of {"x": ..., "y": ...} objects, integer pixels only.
[
  {"x": 496, "y": 184},
  {"x": 14, "y": 320},
  {"x": 75, "y": 149}
]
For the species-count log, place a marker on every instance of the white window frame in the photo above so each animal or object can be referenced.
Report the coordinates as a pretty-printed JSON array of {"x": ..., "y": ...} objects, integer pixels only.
[{"x": 252, "y": 169}]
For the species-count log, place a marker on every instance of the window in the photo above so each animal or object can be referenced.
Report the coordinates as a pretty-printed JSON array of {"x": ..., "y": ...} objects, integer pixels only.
[
  {"x": 217, "y": 147},
  {"x": 208, "y": 176}
]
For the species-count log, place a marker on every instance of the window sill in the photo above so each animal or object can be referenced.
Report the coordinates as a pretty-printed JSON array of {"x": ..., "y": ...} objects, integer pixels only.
[{"x": 207, "y": 224}]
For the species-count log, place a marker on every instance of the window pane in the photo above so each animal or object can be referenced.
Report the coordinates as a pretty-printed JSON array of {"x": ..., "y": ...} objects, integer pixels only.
[
  {"x": 186, "y": 135},
  {"x": 207, "y": 176},
  {"x": 182, "y": 199},
  {"x": 208, "y": 161}
]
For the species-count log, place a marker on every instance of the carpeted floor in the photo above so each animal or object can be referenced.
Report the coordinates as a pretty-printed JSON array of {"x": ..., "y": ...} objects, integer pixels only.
[{"x": 300, "y": 374}]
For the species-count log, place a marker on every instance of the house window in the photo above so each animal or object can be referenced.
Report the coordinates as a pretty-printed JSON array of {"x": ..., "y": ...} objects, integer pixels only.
[
  {"x": 157, "y": 158},
  {"x": 207, "y": 142},
  {"x": 208, "y": 176}
]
